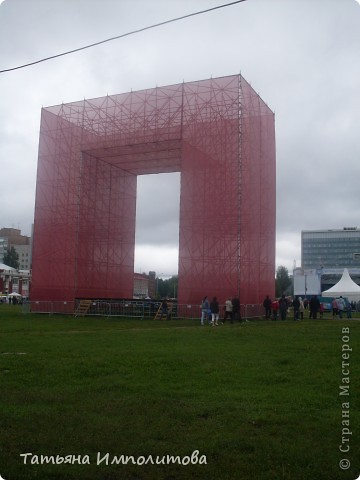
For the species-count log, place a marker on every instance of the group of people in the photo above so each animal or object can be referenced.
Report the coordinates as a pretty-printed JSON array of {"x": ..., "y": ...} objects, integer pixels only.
[
  {"x": 339, "y": 307},
  {"x": 11, "y": 299},
  {"x": 276, "y": 308},
  {"x": 210, "y": 311},
  {"x": 280, "y": 307}
]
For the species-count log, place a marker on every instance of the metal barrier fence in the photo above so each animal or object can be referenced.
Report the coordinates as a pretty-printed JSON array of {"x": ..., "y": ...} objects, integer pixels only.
[{"x": 131, "y": 308}]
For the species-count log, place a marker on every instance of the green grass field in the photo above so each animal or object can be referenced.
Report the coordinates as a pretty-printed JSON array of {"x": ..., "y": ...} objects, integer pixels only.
[{"x": 257, "y": 401}]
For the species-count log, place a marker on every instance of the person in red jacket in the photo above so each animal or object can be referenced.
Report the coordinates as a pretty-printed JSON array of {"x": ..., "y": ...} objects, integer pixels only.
[{"x": 275, "y": 309}]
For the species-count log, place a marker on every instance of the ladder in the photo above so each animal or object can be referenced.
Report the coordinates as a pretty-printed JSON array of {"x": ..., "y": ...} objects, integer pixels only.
[
  {"x": 158, "y": 313},
  {"x": 83, "y": 308}
]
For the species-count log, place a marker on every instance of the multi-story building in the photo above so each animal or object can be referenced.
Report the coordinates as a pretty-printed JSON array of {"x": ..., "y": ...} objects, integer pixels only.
[
  {"x": 24, "y": 252},
  {"x": 145, "y": 285},
  {"x": 12, "y": 280},
  {"x": 328, "y": 252},
  {"x": 330, "y": 248},
  {"x": 141, "y": 285},
  {"x": 152, "y": 282},
  {"x": 11, "y": 237}
]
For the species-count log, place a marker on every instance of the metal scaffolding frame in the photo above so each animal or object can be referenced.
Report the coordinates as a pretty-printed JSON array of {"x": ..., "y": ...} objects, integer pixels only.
[{"x": 218, "y": 133}]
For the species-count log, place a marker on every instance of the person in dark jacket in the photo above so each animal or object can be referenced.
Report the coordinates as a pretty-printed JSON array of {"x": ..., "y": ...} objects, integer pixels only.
[
  {"x": 164, "y": 310},
  {"x": 236, "y": 308},
  {"x": 296, "y": 305},
  {"x": 267, "y": 305},
  {"x": 314, "y": 306},
  {"x": 205, "y": 311},
  {"x": 214, "y": 307},
  {"x": 283, "y": 307}
]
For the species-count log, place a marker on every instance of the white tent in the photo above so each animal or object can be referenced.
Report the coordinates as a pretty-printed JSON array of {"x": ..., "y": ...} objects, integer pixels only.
[{"x": 345, "y": 287}]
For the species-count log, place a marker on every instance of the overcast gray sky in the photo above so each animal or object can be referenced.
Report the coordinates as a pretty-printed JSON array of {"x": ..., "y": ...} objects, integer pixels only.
[{"x": 302, "y": 57}]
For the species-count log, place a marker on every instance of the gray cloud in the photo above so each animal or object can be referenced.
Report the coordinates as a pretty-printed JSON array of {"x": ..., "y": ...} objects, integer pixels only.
[{"x": 301, "y": 57}]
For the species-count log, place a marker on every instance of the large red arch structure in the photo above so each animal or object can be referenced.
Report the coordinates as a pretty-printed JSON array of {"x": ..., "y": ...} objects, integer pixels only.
[{"x": 218, "y": 133}]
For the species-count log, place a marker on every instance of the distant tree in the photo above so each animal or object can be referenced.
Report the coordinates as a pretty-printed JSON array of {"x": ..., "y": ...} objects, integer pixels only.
[
  {"x": 283, "y": 281},
  {"x": 160, "y": 288},
  {"x": 11, "y": 258},
  {"x": 167, "y": 288},
  {"x": 173, "y": 286}
]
